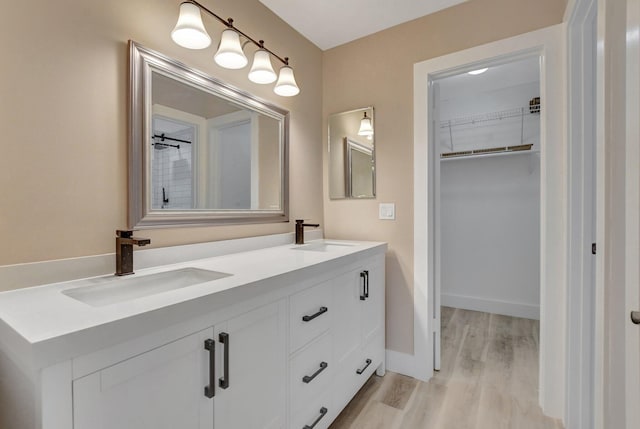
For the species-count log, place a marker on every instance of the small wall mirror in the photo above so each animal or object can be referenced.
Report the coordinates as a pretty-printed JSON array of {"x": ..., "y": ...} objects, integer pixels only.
[
  {"x": 352, "y": 166},
  {"x": 201, "y": 151}
]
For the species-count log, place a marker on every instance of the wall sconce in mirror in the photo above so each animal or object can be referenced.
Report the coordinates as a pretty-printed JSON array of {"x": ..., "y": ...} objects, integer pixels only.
[
  {"x": 366, "y": 129},
  {"x": 352, "y": 154},
  {"x": 190, "y": 33}
]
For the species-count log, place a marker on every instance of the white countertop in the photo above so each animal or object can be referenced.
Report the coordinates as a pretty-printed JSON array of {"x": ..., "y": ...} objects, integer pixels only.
[{"x": 44, "y": 325}]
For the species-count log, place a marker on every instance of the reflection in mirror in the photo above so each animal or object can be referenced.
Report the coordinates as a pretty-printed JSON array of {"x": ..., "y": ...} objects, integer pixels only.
[
  {"x": 352, "y": 155},
  {"x": 202, "y": 152}
]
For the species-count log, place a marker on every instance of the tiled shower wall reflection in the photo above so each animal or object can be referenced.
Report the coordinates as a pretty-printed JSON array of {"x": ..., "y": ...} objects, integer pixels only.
[{"x": 172, "y": 171}]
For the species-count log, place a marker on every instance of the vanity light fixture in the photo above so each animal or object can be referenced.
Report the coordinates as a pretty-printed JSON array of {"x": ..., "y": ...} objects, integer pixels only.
[
  {"x": 479, "y": 71},
  {"x": 366, "y": 129},
  {"x": 190, "y": 33},
  {"x": 262, "y": 70}
]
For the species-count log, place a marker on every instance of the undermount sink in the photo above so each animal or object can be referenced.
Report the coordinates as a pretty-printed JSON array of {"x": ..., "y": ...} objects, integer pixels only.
[
  {"x": 107, "y": 290},
  {"x": 324, "y": 246}
]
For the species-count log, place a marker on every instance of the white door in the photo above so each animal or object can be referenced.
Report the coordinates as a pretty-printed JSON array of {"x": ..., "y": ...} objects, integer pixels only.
[
  {"x": 251, "y": 368},
  {"x": 632, "y": 159},
  {"x": 159, "y": 389},
  {"x": 234, "y": 151}
]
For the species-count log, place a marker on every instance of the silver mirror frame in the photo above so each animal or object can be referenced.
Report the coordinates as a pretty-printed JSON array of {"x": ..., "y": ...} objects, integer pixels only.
[{"x": 142, "y": 62}]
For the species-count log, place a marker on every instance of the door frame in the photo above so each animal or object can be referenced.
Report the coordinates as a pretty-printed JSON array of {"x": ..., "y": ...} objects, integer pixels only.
[
  {"x": 547, "y": 43},
  {"x": 632, "y": 253},
  {"x": 581, "y": 18}
]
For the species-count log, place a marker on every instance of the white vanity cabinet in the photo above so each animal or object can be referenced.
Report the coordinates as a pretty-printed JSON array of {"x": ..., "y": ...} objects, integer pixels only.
[
  {"x": 162, "y": 388},
  {"x": 347, "y": 337},
  {"x": 283, "y": 342},
  {"x": 252, "y": 363},
  {"x": 358, "y": 328},
  {"x": 229, "y": 376}
]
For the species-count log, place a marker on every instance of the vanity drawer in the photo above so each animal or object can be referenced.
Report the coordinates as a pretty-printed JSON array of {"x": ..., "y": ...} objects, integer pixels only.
[
  {"x": 310, "y": 314},
  {"x": 357, "y": 371},
  {"x": 319, "y": 411},
  {"x": 311, "y": 371}
]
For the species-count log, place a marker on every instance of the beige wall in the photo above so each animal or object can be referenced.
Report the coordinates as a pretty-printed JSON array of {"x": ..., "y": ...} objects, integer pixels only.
[
  {"x": 63, "y": 110},
  {"x": 378, "y": 71}
]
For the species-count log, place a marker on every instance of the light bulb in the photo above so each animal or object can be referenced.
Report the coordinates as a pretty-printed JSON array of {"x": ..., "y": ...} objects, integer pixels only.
[{"x": 479, "y": 71}]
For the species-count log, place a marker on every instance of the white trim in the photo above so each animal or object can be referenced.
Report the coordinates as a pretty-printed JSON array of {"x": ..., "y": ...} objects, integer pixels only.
[
  {"x": 632, "y": 215},
  {"x": 401, "y": 363},
  {"x": 495, "y": 306},
  {"x": 546, "y": 43},
  {"x": 581, "y": 39}
]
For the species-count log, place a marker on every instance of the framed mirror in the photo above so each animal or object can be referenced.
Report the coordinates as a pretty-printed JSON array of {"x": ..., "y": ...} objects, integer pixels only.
[
  {"x": 351, "y": 146},
  {"x": 200, "y": 151}
]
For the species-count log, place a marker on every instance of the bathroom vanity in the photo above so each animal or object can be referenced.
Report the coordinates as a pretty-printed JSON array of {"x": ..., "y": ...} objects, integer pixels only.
[{"x": 280, "y": 337}]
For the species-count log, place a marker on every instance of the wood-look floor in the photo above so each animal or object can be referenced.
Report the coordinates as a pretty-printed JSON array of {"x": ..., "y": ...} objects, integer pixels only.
[{"x": 488, "y": 380}]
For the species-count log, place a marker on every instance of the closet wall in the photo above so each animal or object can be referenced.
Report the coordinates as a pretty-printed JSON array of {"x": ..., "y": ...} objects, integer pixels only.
[{"x": 490, "y": 207}]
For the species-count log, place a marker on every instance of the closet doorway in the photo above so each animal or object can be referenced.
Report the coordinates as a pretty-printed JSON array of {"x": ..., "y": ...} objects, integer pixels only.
[
  {"x": 547, "y": 46},
  {"x": 487, "y": 203}
]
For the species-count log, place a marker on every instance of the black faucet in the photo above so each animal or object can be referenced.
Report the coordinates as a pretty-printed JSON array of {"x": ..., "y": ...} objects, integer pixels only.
[
  {"x": 300, "y": 230},
  {"x": 124, "y": 251}
]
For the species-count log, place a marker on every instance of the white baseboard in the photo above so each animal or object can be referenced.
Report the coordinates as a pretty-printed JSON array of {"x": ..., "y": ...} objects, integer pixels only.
[
  {"x": 401, "y": 363},
  {"x": 506, "y": 308}
]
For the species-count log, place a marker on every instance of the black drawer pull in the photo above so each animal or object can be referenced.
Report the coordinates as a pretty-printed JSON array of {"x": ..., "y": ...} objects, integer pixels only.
[
  {"x": 224, "y": 339},
  {"x": 313, "y": 316},
  {"x": 210, "y": 390},
  {"x": 308, "y": 378},
  {"x": 366, "y": 283},
  {"x": 323, "y": 412},
  {"x": 363, "y": 295},
  {"x": 360, "y": 371}
]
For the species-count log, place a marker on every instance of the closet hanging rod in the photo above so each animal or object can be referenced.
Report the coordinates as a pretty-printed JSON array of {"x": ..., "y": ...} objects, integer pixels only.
[
  {"x": 488, "y": 151},
  {"x": 490, "y": 116},
  {"x": 162, "y": 137}
]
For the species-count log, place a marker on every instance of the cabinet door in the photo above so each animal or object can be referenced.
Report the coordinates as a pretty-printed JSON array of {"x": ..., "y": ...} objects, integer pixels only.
[
  {"x": 373, "y": 306},
  {"x": 252, "y": 367},
  {"x": 346, "y": 327},
  {"x": 159, "y": 389}
]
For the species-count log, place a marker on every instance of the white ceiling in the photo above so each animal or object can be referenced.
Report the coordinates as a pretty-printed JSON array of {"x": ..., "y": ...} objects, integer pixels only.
[
  {"x": 329, "y": 23},
  {"x": 502, "y": 76}
]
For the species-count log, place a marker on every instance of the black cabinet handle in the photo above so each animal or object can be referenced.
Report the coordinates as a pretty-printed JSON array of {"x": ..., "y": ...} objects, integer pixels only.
[
  {"x": 210, "y": 390},
  {"x": 313, "y": 316},
  {"x": 366, "y": 283},
  {"x": 363, "y": 295},
  {"x": 224, "y": 339},
  {"x": 323, "y": 412},
  {"x": 308, "y": 378},
  {"x": 360, "y": 371}
]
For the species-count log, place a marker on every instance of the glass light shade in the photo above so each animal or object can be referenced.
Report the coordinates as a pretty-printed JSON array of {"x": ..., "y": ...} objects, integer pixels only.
[
  {"x": 230, "y": 55},
  {"x": 366, "y": 129},
  {"x": 189, "y": 31},
  {"x": 262, "y": 70},
  {"x": 286, "y": 85}
]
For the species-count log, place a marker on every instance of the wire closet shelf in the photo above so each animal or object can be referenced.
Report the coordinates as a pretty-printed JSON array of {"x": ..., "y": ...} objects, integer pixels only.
[{"x": 489, "y": 119}]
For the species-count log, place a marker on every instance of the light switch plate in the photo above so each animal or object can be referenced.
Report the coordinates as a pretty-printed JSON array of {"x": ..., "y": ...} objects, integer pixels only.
[{"x": 387, "y": 211}]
